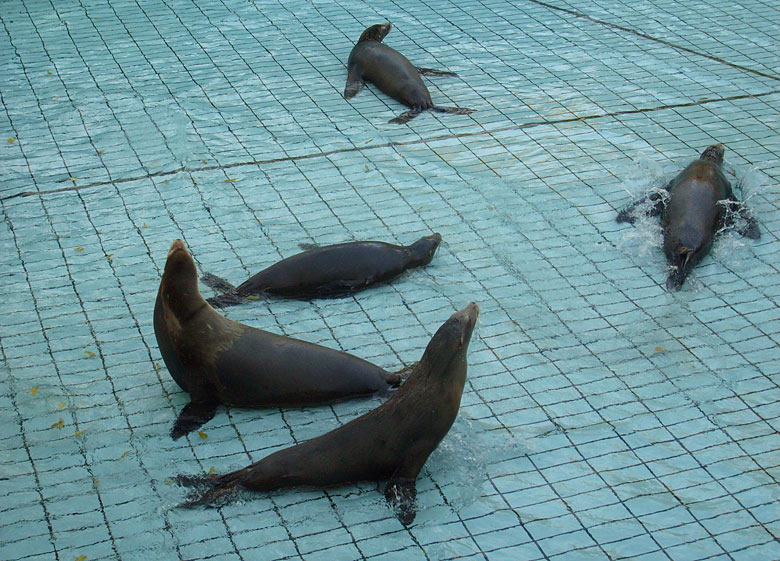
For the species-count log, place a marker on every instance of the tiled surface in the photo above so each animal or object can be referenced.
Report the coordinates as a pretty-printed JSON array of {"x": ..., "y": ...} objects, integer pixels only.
[{"x": 604, "y": 418}]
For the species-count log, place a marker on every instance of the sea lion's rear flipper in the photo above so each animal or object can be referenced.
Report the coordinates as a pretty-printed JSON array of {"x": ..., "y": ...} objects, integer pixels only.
[
  {"x": 227, "y": 299},
  {"x": 217, "y": 284},
  {"x": 193, "y": 416},
  {"x": 229, "y": 296},
  {"x": 432, "y": 72},
  {"x": 355, "y": 82},
  {"x": 452, "y": 110},
  {"x": 404, "y": 118},
  {"x": 208, "y": 490},
  {"x": 401, "y": 493}
]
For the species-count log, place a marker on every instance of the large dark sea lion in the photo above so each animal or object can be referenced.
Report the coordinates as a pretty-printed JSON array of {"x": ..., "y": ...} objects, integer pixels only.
[
  {"x": 217, "y": 360},
  {"x": 391, "y": 442},
  {"x": 328, "y": 272},
  {"x": 391, "y": 72},
  {"x": 695, "y": 206}
]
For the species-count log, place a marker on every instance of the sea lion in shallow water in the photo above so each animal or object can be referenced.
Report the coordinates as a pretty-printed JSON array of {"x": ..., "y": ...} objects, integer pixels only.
[
  {"x": 391, "y": 442},
  {"x": 695, "y": 206},
  {"x": 328, "y": 272},
  {"x": 390, "y": 71},
  {"x": 217, "y": 360}
]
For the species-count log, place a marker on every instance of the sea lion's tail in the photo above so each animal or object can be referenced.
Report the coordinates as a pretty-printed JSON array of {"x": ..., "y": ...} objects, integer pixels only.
[
  {"x": 229, "y": 294},
  {"x": 209, "y": 490},
  {"x": 452, "y": 110}
]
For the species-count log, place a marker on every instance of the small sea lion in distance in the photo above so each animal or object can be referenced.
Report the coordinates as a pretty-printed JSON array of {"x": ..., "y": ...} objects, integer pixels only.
[
  {"x": 695, "y": 206},
  {"x": 391, "y": 442},
  {"x": 390, "y": 71},
  {"x": 217, "y": 360},
  {"x": 331, "y": 271}
]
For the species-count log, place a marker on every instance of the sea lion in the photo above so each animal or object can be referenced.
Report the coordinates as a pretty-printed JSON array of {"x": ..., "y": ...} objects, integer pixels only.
[
  {"x": 217, "y": 360},
  {"x": 391, "y": 442},
  {"x": 695, "y": 206},
  {"x": 328, "y": 272},
  {"x": 391, "y": 72}
]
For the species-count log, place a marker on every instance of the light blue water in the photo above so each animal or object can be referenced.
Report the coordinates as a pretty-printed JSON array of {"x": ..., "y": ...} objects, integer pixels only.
[{"x": 603, "y": 417}]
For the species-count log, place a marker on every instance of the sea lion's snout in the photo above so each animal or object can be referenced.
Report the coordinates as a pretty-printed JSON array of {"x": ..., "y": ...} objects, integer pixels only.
[
  {"x": 467, "y": 318},
  {"x": 376, "y": 32},
  {"x": 177, "y": 245},
  {"x": 422, "y": 251},
  {"x": 714, "y": 153}
]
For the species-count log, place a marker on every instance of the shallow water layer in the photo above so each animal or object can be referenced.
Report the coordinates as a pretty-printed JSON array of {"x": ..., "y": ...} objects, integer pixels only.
[{"x": 603, "y": 417}]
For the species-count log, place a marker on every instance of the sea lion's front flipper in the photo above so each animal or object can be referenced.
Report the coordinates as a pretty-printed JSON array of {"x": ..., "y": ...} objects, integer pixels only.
[
  {"x": 401, "y": 493},
  {"x": 452, "y": 110},
  {"x": 395, "y": 378},
  {"x": 747, "y": 225},
  {"x": 193, "y": 416},
  {"x": 404, "y": 118},
  {"x": 432, "y": 72},
  {"x": 355, "y": 82}
]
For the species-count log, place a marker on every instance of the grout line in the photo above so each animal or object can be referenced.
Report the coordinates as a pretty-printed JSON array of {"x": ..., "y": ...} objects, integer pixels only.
[
  {"x": 656, "y": 39},
  {"x": 390, "y": 144}
]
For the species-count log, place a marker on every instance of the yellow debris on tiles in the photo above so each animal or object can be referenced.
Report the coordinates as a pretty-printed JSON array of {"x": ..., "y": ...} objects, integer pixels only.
[
  {"x": 109, "y": 255},
  {"x": 12, "y": 140},
  {"x": 81, "y": 558},
  {"x": 157, "y": 366},
  {"x": 124, "y": 455},
  {"x": 212, "y": 469},
  {"x": 61, "y": 405},
  {"x": 78, "y": 432},
  {"x": 229, "y": 180},
  {"x": 34, "y": 390},
  {"x": 79, "y": 248},
  {"x": 659, "y": 350},
  {"x": 102, "y": 151},
  {"x": 59, "y": 424},
  {"x": 90, "y": 354},
  {"x": 202, "y": 434}
]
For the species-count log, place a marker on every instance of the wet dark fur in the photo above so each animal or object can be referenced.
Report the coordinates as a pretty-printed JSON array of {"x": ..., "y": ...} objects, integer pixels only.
[
  {"x": 328, "y": 272},
  {"x": 391, "y": 72},
  {"x": 391, "y": 442},
  {"x": 218, "y": 360},
  {"x": 698, "y": 203}
]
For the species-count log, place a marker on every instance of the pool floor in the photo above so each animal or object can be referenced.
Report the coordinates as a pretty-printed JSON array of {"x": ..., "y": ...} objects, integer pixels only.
[{"x": 603, "y": 416}]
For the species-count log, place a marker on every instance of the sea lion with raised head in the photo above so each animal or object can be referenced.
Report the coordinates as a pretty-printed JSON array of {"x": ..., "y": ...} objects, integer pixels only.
[
  {"x": 391, "y": 442},
  {"x": 390, "y": 71},
  {"x": 331, "y": 271},
  {"x": 217, "y": 360},
  {"x": 695, "y": 206}
]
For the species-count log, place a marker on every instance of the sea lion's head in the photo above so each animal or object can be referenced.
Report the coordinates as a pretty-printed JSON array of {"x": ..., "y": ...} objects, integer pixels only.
[
  {"x": 179, "y": 285},
  {"x": 445, "y": 355},
  {"x": 714, "y": 154},
  {"x": 376, "y": 32},
  {"x": 421, "y": 252}
]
